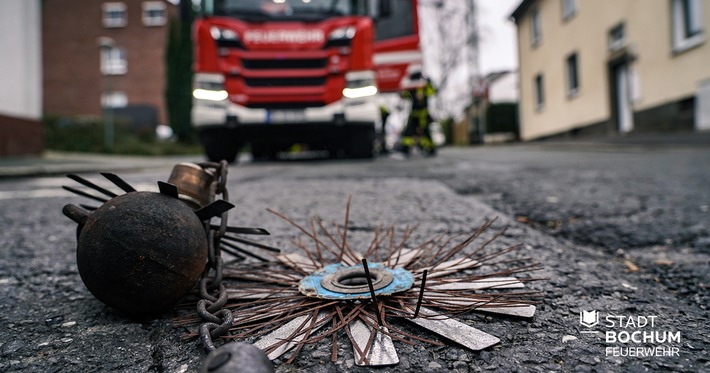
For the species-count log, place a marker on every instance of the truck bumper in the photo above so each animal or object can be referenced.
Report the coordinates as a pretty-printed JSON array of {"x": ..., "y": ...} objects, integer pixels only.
[{"x": 361, "y": 111}]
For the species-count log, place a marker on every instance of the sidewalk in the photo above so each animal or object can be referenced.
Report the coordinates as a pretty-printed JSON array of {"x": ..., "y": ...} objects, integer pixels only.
[
  {"x": 669, "y": 139},
  {"x": 57, "y": 163}
]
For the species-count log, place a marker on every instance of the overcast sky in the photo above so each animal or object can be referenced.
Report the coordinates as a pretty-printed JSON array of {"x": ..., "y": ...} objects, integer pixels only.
[
  {"x": 497, "y": 48},
  {"x": 497, "y": 44}
]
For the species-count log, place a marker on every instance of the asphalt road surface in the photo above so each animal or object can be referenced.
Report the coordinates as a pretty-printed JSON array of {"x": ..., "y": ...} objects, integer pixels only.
[{"x": 623, "y": 232}]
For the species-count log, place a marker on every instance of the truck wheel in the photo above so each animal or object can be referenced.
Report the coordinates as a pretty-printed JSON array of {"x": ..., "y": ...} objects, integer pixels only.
[
  {"x": 362, "y": 143},
  {"x": 263, "y": 151},
  {"x": 219, "y": 144}
]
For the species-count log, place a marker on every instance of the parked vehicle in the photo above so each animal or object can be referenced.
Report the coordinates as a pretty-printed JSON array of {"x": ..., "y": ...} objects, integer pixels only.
[{"x": 274, "y": 73}]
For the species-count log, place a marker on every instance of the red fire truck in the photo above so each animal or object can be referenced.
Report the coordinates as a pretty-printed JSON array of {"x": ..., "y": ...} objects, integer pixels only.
[{"x": 274, "y": 73}]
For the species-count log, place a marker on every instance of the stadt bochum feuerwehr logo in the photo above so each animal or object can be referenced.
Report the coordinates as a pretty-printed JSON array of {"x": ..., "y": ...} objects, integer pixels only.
[{"x": 589, "y": 318}]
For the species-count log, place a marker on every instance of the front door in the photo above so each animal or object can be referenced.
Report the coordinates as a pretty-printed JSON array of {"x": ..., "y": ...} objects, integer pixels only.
[
  {"x": 624, "y": 113},
  {"x": 702, "y": 107}
]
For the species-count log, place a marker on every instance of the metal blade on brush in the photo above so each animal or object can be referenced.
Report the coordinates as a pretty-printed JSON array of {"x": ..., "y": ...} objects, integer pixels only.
[
  {"x": 91, "y": 185},
  {"x": 168, "y": 189},
  {"x": 117, "y": 181},
  {"x": 290, "y": 332},
  {"x": 486, "y": 283},
  {"x": 215, "y": 208},
  {"x": 456, "y": 331},
  {"x": 252, "y": 243},
  {"x": 233, "y": 253},
  {"x": 526, "y": 311},
  {"x": 84, "y": 194},
  {"x": 245, "y": 230},
  {"x": 245, "y": 252},
  {"x": 381, "y": 352}
]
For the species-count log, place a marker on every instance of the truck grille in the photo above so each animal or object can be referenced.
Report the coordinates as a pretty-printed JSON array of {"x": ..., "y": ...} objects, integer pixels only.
[
  {"x": 285, "y": 105},
  {"x": 284, "y": 82},
  {"x": 272, "y": 64}
]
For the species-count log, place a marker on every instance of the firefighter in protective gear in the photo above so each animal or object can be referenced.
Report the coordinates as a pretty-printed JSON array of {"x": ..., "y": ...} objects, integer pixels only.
[{"x": 417, "y": 132}]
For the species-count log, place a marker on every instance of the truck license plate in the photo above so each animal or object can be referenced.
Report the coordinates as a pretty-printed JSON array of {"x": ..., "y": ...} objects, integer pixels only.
[{"x": 285, "y": 116}]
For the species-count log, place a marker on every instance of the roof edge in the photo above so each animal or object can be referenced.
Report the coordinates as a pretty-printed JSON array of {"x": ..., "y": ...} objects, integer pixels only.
[{"x": 520, "y": 10}]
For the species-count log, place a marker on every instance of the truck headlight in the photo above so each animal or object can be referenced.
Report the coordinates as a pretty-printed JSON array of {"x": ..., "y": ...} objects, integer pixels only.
[
  {"x": 347, "y": 32},
  {"x": 359, "y": 84},
  {"x": 225, "y": 37},
  {"x": 341, "y": 36},
  {"x": 209, "y": 87}
]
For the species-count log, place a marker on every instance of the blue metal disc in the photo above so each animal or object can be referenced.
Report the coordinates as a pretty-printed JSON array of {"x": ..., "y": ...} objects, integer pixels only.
[{"x": 336, "y": 279}]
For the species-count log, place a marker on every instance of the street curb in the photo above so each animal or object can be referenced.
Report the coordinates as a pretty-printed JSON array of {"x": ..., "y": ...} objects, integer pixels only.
[{"x": 57, "y": 163}]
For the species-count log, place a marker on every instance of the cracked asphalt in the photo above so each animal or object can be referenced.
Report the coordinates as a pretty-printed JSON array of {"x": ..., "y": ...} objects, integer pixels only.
[{"x": 621, "y": 228}]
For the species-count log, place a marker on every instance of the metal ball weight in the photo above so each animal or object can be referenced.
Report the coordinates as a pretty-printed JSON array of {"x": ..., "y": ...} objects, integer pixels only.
[{"x": 140, "y": 252}]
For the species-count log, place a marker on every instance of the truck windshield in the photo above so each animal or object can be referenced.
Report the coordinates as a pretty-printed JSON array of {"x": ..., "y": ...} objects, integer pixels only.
[{"x": 266, "y": 10}]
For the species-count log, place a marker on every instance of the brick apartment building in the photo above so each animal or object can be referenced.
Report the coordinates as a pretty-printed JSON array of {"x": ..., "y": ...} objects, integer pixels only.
[{"x": 99, "y": 54}]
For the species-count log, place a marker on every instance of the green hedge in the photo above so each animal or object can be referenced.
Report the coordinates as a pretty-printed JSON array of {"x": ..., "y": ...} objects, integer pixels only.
[
  {"x": 87, "y": 135},
  {"x": 178, "y": 78}
]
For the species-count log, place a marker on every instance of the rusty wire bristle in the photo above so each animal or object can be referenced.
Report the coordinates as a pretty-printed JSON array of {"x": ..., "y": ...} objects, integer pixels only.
[
  {"x": 372, "y": 290},
  {"x": 270, "y": 310}
]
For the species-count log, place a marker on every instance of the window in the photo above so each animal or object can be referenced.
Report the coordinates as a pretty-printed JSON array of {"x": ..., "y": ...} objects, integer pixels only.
[
  {"x": 398, "y": 23},
  {"x": 687, "y": 24},
  {"x": 536, "y": 27},
  {"x": 539, "y": 92},
  {"x": 572, "y": 75},
  {"x": 113, "y": 61},
  {"x": 114, "y": 14},
  {"x": 114, "y": 99},
  {"x": 617, "y": 37},
  {"x": 569, "y": 9},
  {"x": 154, "y": 13}
]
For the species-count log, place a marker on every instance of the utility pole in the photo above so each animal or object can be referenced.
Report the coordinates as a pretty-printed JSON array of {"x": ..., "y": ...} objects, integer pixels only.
[
  {"x": 475, "y": 80},
  {"x": 472, "y": 42}
]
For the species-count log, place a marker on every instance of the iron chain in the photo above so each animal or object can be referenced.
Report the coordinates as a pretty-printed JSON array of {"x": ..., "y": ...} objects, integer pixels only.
[{"x": 216, "y": 320}]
